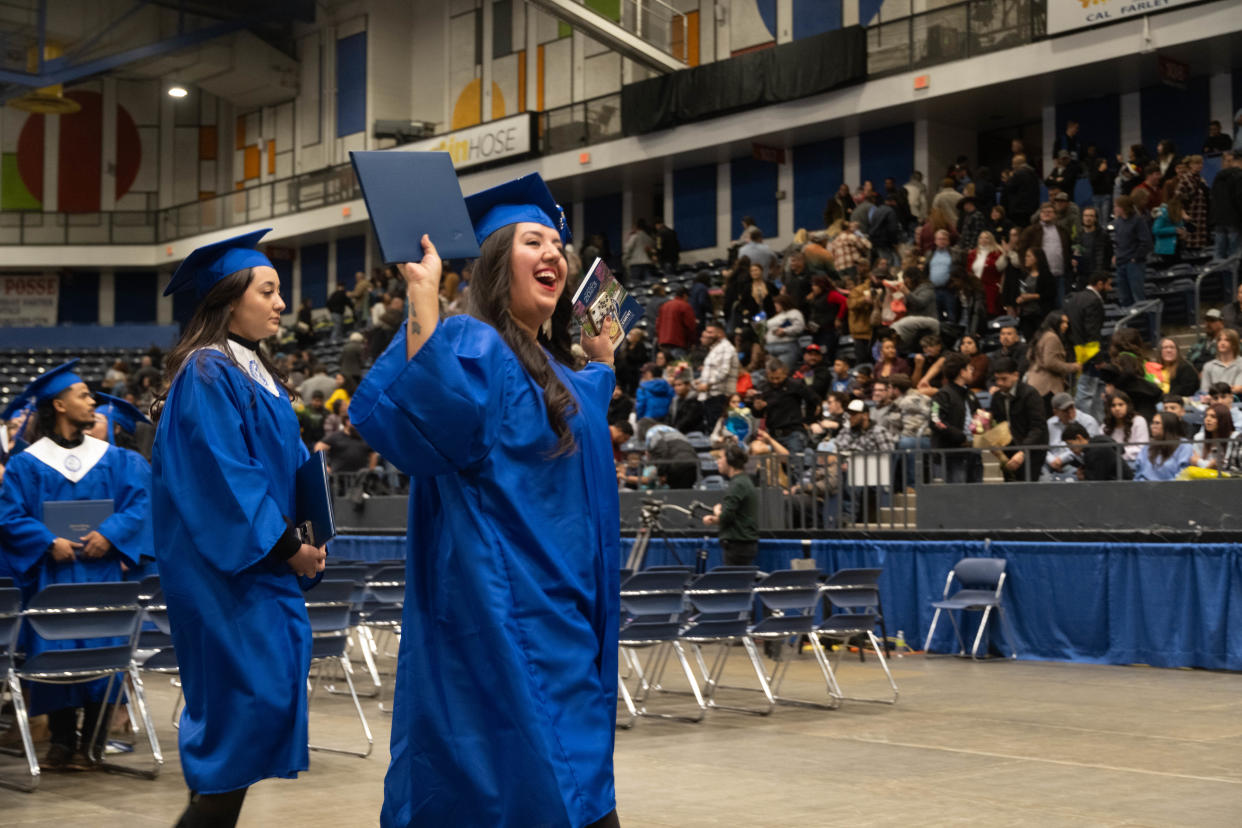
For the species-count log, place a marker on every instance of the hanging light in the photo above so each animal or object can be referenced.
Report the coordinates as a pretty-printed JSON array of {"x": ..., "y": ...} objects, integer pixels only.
[{"x": 177, "y": 91}]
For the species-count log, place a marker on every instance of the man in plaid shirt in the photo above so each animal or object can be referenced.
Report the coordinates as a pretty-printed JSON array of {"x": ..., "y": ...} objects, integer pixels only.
[{"x": 848, "y": 248}]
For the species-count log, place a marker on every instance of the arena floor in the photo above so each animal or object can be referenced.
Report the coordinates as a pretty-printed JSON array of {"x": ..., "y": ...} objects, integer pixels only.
[{"x": 999, "y": 743}]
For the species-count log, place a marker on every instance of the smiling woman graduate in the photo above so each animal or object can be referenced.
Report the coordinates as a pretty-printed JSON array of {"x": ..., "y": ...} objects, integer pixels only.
[
  {"x": 507, "y": 674},
  {"x": 227, "y": 449}
]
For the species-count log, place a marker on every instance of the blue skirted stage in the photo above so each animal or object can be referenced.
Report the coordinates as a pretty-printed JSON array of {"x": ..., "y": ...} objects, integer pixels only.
[{"x": 1167, "y": 605}]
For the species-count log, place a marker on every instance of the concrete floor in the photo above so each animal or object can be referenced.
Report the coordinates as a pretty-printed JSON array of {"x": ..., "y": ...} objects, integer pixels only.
[{"x": 1002, "y": 743}]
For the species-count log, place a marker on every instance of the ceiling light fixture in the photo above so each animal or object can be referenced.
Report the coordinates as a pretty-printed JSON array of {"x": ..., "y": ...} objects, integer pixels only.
[{"x": 177, "y": 91}]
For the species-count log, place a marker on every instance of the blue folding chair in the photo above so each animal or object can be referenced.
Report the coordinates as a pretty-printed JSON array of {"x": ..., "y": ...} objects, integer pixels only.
[
  {"x": 982, "y": 583},
  {"x": 10, "y": 625},
  {"x": 792, "y": 596},
  {"x": 328, "y": 606},
  {"x": 652, "y": 604},
  {"x": 723, "y": 599},
  {"x": 81, "y": 613},
  {"x": 379, "y": 615},
  {"x": 856, "y": 593},
  {"x": 155, "y": 651}
]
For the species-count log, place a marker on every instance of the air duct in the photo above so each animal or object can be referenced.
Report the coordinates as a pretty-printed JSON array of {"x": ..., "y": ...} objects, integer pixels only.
[{"x": 50, "y": 100}]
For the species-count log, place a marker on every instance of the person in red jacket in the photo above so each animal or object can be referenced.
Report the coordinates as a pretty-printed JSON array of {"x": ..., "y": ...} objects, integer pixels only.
[{"x": 676, "y": 327}]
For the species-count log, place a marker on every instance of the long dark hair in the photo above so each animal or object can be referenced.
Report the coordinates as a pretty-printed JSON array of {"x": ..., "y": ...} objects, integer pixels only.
[
  {"x": 1111, "y": 422},
  {"x": 210, "y": 327},
  {"x": 489, "y": 302},
  {"x": 1052, "y": 322},
  {"x": 1170, "y": 431}
]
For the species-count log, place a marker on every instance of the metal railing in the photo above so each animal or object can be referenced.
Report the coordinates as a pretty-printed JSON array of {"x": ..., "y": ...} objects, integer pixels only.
[
  {"x": 954, "y": 32},
  {"x": 580, "y": 124}
]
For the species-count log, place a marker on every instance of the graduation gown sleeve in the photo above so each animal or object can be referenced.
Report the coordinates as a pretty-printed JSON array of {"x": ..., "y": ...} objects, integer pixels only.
[
  {"x": 24, "y": 539},
  {"x": 205, "y": 441},
  {"x": 439, "y": 411},
  {"x": 129, "y": 527}
]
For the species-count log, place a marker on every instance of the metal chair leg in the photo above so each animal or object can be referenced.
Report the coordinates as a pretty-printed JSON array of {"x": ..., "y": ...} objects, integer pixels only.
[
  {"x": 140, "y": 702},
  {"x": 366, "y": 728},
  {"x": 22, "y": 722},
  {"x": 983, "y": 625},
  {"x": 931, "y": 631}
]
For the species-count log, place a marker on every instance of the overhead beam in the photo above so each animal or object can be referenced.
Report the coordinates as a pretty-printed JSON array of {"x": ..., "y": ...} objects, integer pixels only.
[
  {"x": 611, "y": 34},
  {"x": 68, "y": 73}
]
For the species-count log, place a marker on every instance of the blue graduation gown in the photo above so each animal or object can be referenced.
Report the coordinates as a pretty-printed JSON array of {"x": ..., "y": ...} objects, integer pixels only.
[
  {"x": 226, "y": 452},
  {"x": 507, "y": 676},
  {"x": 29, "y": 481}
]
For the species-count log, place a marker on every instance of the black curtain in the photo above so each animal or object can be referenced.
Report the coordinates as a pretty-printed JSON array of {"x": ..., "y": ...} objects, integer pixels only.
[{"x": 782, "y": 73}]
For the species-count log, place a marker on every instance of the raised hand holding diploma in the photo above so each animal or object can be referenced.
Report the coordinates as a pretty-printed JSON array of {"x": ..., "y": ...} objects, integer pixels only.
[{"x": 422, "y": 288}]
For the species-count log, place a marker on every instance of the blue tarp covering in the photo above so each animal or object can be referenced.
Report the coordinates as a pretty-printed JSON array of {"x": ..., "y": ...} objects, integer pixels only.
[{"x": 1167, "y": 605}]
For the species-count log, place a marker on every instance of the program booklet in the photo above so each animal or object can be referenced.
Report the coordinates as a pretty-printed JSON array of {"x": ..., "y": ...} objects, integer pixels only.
[{"x": 601, "y": 304}]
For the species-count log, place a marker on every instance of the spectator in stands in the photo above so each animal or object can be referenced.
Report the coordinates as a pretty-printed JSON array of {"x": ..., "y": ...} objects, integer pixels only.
[
  {"x": 701, "y": 297},
  {"x": 927, "y": 364},
  {"x": 1050, "y": 237},
  {"x": 1063, "y": 174},
  {"x": 1036, "y": 291},
  {"x": 342, "y": 390},
  {"x": 1211, "y": 443},
  {"x": 1194, "y": 192},
  {"x": 1152, "y": 185},
  {"x": 346, "y": 451},
  {"x": 937, "y": 221},
  {"x": 1095, "y": 456},
  {"x": 826, "y": 308},
  {"x": 946, "y": 200},
  {"x": 659, "y": 295},
  {"x": 360, "y": 296},
  {"x": 1011, "y": 347},
  {"x": 1231, "y": 314},
  {"x": 882, "y": 412},
  {"x": 1124, "y": 426},
  {"x": 391, "y": 321},
  {"x": 999, "y": 224},
  {"x": 619, "y": 433},
  {"x": 676, "y": 327},
  {"x": 1225, "y": 205},
  {"x": 787, "y": 407},
  {"x": 1022, "y": 407},
  {"x": 1064, "y": 413},
  {"x": 950, "y": 414},
  {"x": 1095, "y": 248},
  {"x": 1133, "y": 240},
  {"x": 668, "y": 247},
  {"x": 985, "y": 262},
  {"x": 718, "y": 377},
  {"x": 737, "y": 514},
  {"x": 913, "y": 410},
  {"x": 815, "y": 371},
  {"x": 675, "y": 460},
  {"x": 921, "y": 316},
  {"x": 1021, "y": 197},
  {"x": 1204, "y": 348},
  {"x": 146, "y": 371},
  {"x": 1166, "y": 158},
  {"x": 637, "y": 253},
  {"x": 1226, "y": 367},
  {"x": 1176, "y": 375},
  {"x": 1051, "y": 371},
  {"x": 1069, "y": 143},
  {"x": 1167, "y": 453},
  {"x": 885, "y": 229},
  {"x": 621, "y": 406},
  {"x": 338, "y": 302},
  {"x": 757, "y": 252},
  {"x": 1085, "y": 311},
  {"x": 1101, "y": 187},
  {"x": 1216, "y": 141},
  {"x": 1169, "y": 226},
  {"x": 311, "y": 417},
  {"x": 319, "y": 381},
  {"x": 891, "y": 362},
  {"x": 848, "y": 248},
  {"x": 352, "y": 358},
  {"x": 980, "y": 367},
  {"x": 783, "y": 330},
  {"x": 1128, "y": 372},
  {"x": 633, "y": 354},
  {"x": 685, "y": 411},
  {"x": 334, "y": 418},
  {"x": 654, "y": 394},
  {"x": 862, "y": 434},
  {"x": 916, "y": 194},
  {"x": 116, "y": 379},
  {"x": 972, "y": 308},
  {"x": 860, "y": 308}
]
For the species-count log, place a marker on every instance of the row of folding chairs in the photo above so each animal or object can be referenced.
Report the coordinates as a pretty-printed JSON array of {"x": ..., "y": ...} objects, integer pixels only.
[{"x": 668, "y": 613}]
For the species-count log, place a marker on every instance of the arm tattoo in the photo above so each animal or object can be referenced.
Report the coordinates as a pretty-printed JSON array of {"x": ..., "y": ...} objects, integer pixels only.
[{"x": 415, "y": 328}]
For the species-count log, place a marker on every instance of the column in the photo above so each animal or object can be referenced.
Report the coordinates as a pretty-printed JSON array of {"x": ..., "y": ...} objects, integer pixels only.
[
  {"x": 666, "y": 210},
  {"x": 1049, "y": 135},
  {"x": 724, "y": 207},
  {"x": 163, "y": 304},
  {"x": 1220, "y": 100},
  {"x": 1131, "y": 121},
  {"x": 784, "y": 21},
  {"x": 51, "y": 163},
  {"x": 922, "y": 148},
  {"x": 785, "y": 203},
  {"x": 851, "y": 162},
  {"x": 107, "y": 296},
  {"x": 332, "y": 266},
  {"x": 486, "y": 80}
]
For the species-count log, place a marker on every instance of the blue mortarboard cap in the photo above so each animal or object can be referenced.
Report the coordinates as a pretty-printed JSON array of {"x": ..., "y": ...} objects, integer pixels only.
[
  {"x": 119, "y": 412},
  {"x": 19, "y": 405},
  {"x": 212, "y": 262},
  {"x": 522, "y": 199},
  {"x": 47, "y": 385}
]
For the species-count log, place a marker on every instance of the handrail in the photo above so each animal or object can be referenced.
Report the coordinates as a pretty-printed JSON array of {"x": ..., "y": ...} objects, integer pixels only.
[{"x": 1215, "y": 266}]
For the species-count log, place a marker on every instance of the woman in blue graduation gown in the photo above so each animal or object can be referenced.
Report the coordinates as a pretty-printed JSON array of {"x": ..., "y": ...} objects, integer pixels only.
[
  {"x": 507, "y": 677},
  {"x": 227, "y": 448},
  {"x": 64, "y": 464}
]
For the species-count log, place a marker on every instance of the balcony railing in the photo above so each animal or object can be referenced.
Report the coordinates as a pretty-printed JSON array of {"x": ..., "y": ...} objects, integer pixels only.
[{"x": 953, "y": 32}]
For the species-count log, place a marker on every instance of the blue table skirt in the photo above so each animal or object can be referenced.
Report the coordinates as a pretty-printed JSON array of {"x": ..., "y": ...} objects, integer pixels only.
[{"x": 1167, "y": 605}]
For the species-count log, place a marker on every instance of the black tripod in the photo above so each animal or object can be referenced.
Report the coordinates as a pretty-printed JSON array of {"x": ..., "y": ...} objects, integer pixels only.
[{"x": 650, "y": 525}]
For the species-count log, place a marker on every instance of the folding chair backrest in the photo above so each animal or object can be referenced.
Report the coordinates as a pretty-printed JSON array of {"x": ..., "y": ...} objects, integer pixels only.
[
  {"x": 854, "y": 588},
  {"x": 156, "y": 611},
  {"x": 352, "y": 572},
  {"x": 655, "y": 593},
  {"x": 149, "y": 586},
  {"x": 328, "y": 605},
  {"x": 979, "y": 573},
  {"x": 387, "y": 584},
  {"x": 790, "y": 591},
  {"x": 723, "y": 592},
  {"x": 7, "y": 583},
  {"x": 669, "y": 568},
  {"x": 104, "y": 610}
]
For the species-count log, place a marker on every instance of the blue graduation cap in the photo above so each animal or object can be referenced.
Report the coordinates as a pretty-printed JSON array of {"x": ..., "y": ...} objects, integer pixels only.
[
  {"x": 212, "y": 262},
  {"x": 18, "y": 406},
  {"x": 522, "y": 199},
  {"x": 119, "y": 412},
  {"x": 50, "y": 383}
]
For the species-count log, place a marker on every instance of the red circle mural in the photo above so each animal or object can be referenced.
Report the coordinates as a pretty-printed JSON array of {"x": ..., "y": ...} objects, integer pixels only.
[{"x": 80, "y": 154}]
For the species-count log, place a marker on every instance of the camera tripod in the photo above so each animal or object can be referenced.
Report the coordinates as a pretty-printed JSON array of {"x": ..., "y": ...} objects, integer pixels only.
[{"x": 650, "y": 525}]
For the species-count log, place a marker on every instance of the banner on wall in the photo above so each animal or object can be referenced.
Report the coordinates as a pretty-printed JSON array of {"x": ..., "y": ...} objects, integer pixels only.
[
  {"x": 27, "y": 301},
  {"x": 1068, "y": 15},
  {"x": 503, "y": 140}
]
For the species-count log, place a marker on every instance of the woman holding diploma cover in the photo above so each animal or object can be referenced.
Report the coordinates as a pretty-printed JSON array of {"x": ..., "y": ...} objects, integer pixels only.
[
  {"x": 507, "y": 674},
  {"x": 227, "y": 449}
]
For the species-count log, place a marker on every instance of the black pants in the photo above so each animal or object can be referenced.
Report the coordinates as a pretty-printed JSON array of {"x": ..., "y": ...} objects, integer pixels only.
[
  {"x": 739, "y": 553},
  {"x": 609, "y": 821},
  {"x": 63, "y": 726},
  {"x": 212, "y": 810}
]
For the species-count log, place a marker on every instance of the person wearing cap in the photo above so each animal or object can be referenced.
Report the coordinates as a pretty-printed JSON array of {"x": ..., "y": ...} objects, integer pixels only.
[
  {"x": 737, "y": 514},
  {"x": 1204, "y": 348},
  {"x": 1058, "y": 463},
  {"x": 65, "y": 464},
  {"x": 1063, "y": 174},
  {"x": 512, "y": 605},
  {"x": 227, "y": 449}
]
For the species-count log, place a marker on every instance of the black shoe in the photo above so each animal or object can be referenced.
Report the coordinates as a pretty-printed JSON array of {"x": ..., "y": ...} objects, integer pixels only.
[
  {"x": 82, "y": 761},
  {"x": 58, "y": 758}
]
